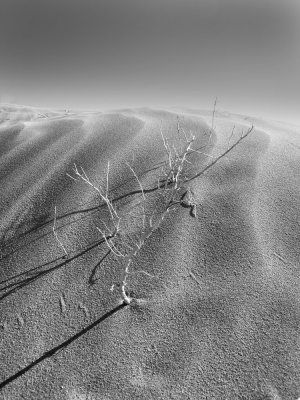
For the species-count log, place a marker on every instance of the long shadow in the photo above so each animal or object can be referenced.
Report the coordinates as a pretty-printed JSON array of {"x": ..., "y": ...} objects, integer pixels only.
[
  {"x": 92, "y": 278},
  {"x": 114, "y": 200},
  {"x": 103, "y": 205},
  {"x": 61, "y": 346},
  {"x": 86, "y": 210},
  {"x": 50, "y": 232},
  {"x": 30, "y": 271},
  {"x": 75, "y": 212},
  {"x": 20, "y": 284},
  {"x": 13, "y": 287}
]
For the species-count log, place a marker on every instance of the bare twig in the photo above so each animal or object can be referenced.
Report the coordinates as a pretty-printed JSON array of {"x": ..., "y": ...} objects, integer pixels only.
[
  {"x": 192, "y": 275},
  {"x": 126, "y": 245},
  {"x": 213, "y": 115},
  {"x": 221, "y": 155},
  {"x": 72, "y": 177},
  {"x": 115, "y": 219},
  {"x": 107, "y": 172},
  {"x": 56, "y": 236},
  {"x": 143, "y": 194}
]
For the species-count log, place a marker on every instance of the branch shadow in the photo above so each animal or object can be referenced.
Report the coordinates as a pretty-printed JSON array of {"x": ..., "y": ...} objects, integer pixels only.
[
  {"x": 161, "y": 185},
  {"x": 49, "y": 232},
  {"x": 92, "y": 278},
  {"x": 75, "y": 212},
  {"x": 61, "y": 346},
  {"x": 33, "y": 275},
  {"x": 13, "y": 287},
  {"x": 94, "y": 208}
]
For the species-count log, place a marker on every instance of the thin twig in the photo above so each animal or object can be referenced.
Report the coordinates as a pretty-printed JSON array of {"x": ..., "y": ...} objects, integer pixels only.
[
  {"x": 221, "y": 155},
  {"x": 192, "y": 275},
  {"x": 107, "y": 172},
  {"x": 213, "y": 114},
  {"x": 172, "y": 179},
  {"x": 55, "y": 234},
  {"x": 143, "y": 194}
]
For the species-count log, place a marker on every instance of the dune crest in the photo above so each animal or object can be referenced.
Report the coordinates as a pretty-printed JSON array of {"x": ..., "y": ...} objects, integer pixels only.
[{"x": 221, "y": 317}]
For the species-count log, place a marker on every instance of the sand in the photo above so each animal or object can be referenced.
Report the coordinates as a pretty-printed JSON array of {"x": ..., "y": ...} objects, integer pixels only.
[{"x": 220, "y": 320}]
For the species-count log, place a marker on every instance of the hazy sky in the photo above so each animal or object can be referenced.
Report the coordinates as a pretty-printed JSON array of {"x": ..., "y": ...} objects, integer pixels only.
[{"x": 121, "y": 53}]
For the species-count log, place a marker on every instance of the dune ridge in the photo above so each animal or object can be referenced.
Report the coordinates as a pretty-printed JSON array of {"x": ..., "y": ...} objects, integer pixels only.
[{"x": 221, "y": 318}]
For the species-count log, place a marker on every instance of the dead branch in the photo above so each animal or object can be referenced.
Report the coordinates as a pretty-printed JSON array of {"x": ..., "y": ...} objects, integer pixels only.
[
  {"x": 221, "y": 155},
  {"x": 56, "y": 236},
  {"x": 170, "y": 182}
]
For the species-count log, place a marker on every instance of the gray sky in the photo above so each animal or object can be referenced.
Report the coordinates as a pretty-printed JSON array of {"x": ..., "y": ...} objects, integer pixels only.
[{"x": 121, "y": 53}]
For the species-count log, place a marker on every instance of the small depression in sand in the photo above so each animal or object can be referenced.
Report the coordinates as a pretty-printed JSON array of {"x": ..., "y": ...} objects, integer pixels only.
[{"x": 220, "y": 317}]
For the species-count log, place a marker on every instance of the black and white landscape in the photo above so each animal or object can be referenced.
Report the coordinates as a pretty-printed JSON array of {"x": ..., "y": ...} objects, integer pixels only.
[{"x": 149, "y": 206}]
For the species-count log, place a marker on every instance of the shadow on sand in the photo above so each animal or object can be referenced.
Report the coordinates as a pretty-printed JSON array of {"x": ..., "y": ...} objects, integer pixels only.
[
  {"x": 35, "y": 273},
  {"x": 61, "y": 346}
]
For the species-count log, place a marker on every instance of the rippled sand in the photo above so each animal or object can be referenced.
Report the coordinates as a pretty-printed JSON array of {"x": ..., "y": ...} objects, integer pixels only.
[{"x": 220, "y": 318}]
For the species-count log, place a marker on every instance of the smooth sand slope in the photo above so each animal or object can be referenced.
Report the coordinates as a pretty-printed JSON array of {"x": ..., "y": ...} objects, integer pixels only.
[{"x": 220, "y": 318}]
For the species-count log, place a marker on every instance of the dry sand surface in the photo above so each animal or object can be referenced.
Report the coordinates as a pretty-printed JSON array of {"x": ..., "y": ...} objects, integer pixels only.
[{"x": 220, "y": 320}]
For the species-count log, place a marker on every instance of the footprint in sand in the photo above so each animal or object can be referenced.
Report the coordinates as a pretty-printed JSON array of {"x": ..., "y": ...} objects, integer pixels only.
[
  {"x": 62, "y": 304},
  {"x": 82, "y": 307},
  {"x": 20, "y": 320}
]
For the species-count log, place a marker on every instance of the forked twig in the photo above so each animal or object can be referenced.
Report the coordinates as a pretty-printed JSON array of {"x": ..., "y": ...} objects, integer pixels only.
[
  {"x": 170, "y": 183},
  {"x": 221, "y": 155}
]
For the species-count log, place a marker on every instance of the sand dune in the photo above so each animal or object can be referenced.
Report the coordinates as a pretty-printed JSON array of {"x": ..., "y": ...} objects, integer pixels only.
[{"x": 221, "y": 317}]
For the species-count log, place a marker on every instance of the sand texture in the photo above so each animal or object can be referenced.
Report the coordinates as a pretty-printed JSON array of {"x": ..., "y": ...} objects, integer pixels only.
[{"x": 220, "y": 319}]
